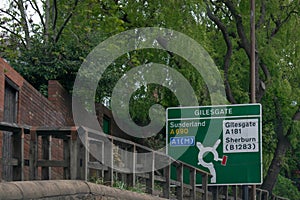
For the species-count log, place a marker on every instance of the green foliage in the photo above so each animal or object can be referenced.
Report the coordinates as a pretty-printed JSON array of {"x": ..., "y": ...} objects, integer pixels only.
[
  {"x": 139, "y": 187},
  {"x": 96, "y": 180},
  {"x": 285, "y": 188},
  {"x": 156, "y": 142},
  {"x": 295, "y": 137},
  {"x": 120, "y": 185},
  {"x": 47, "y": 55}
]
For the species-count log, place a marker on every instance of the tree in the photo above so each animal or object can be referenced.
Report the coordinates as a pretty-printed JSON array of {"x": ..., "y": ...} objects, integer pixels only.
[
  {"x": 276, "y": 65},
  {"x": 48, "y": 39},
  {"x": 67, "y": 31}
]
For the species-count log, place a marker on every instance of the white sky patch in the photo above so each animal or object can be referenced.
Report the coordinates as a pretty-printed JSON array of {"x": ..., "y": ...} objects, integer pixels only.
[{"x": 31, "y": 14}]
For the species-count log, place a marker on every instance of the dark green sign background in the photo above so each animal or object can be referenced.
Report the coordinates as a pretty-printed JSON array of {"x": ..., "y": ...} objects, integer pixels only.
[{"x": 228, "y": 137}]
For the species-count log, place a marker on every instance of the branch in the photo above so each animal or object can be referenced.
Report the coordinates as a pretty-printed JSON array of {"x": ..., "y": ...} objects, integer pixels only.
[
  {"x": 227, "y": 57},
  {"x": 8, "y": 30},
  {"x": 296, "y": 117},
  {"x": 12, "y": 16},
  {"x": 245, "y": 44},
  {"x": 265, "y": 70},
  {"x": 54, "y": 14},
  {"x": 279, "y": 119},
  {"x": 66, "y": 21},
  {"x": 164, "y": 43},
  {"x": 218, "y": 7},
  {"x": 24, "y": 22},
  {"x": 279, "y": 22},
  {"x": 262, "y": 14},
  {"x": 36, "y": 8},
  {"x": 47, "y": 20}
]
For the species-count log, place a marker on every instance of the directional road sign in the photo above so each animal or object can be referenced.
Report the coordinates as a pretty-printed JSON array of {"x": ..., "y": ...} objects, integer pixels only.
[{"x": 224, "y": 140}]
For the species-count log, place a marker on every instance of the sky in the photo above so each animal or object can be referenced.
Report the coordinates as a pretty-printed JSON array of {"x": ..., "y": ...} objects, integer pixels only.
[{"x": 31, "y": 14}]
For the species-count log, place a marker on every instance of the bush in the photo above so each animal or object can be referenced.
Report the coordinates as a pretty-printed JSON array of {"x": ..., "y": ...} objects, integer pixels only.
[{"x": 285, "y": 188}]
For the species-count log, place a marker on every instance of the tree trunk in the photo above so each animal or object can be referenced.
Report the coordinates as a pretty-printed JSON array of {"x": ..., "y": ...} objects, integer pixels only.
[
  {"x": 283, "y": 145},
  {"x": 270, "y": 180},
  {"x": 47, "y": 21},
  {"x": 24, "y": 23}
]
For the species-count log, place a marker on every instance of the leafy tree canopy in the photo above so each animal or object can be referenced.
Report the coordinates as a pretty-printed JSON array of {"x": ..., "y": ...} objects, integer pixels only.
[{"x": 54, "y": 47}]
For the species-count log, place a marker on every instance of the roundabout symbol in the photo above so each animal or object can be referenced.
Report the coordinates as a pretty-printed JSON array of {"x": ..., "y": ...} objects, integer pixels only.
[{"x": 203, "y": 151}]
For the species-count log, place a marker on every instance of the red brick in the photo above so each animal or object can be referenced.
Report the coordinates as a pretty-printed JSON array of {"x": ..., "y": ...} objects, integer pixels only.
[{"x": 36, "y": 110}]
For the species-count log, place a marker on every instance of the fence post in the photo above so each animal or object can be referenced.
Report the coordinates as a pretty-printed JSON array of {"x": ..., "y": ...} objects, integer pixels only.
[
  {"x": 33, "y": 155},
  {"x": 265, "y": 195},
  {"x": 18, "y": 153},
  {"x": 258, "y": 194},
  {"x": 179, "y": 189},
  {"x": 83, "y": 156},
  {"x": 215, "y": 192},
  {"x": 130, "y": 159},
  {"x": 234, "y": 192},
  {"x": 66, "y": 152},
  {"x": 74, "y": 147},
  {"x": 193, "y": 183},
  {"x": 205, "y": 186},
  {"x": 108, "y": 158},
  {"x": 134, "y": 162},
  {"x": 225, "y": 191},
  {"x": 150, "y": 181},
  {"x": 166, "y": 187},
  {"x": 46, "y": 155}
]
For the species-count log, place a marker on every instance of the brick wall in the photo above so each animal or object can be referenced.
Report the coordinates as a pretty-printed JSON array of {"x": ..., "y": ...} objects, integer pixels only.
[
  {"x": 62, "y": 101},
  {"x": 6, "y": 72},
  {"x": 55, "y": 111},
  {"x": 36, "y": 110}
]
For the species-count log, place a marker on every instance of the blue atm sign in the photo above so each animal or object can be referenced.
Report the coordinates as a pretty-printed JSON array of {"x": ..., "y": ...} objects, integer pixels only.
[{"x": 182, "y": 141}]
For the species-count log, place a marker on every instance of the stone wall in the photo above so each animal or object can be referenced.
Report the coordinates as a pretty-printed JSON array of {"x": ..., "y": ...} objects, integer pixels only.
[{"x": 66, "y": 189}]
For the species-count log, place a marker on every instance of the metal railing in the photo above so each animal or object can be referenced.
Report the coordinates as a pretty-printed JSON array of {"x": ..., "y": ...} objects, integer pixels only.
[
  {"x": 79, "y": 163},
  {"x": 115, "y": 158}
]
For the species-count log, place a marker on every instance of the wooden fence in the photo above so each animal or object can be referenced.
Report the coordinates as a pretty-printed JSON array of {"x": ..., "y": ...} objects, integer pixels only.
[{"x": 88, "y": 153}]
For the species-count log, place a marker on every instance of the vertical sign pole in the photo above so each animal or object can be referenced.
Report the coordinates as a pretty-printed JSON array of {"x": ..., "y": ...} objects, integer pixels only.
[
  {"x": 252, "y": 57},
  {"x": 253, "y": 68}
]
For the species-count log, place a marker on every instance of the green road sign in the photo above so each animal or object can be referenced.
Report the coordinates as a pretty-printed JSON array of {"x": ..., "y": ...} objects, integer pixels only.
[{"x": 222, "y": 140}]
